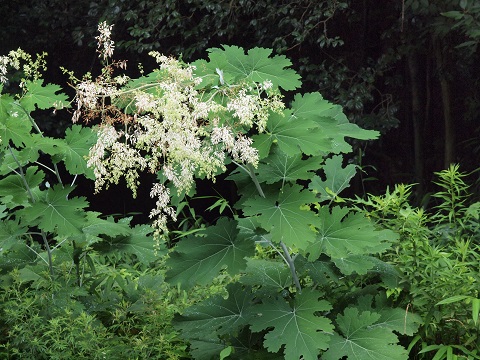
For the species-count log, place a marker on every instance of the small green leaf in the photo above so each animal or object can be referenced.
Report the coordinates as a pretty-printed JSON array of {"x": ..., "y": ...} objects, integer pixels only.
[
  {"x": 226, "y": 352},
  {"x": 475, "y": 310},
  {"x": 299, "y": 328},
  {"x": 452, "y": 299}
]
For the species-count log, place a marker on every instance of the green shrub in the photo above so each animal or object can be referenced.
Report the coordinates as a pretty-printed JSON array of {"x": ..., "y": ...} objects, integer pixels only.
[{"x": 438, "y": 256}]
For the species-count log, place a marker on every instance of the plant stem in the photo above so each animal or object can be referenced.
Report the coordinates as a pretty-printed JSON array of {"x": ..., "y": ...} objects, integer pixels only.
[
  {"x": 37, "y": 129},
  {"x": 49, "y": 253},
  {"x": 32, "y": 198},
  {"x": 287, "y": 258},
  {"x": 291, "y": 264}
]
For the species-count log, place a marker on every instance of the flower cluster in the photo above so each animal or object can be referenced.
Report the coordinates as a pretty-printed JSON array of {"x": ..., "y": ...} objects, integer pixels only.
[
  {"x": 163, "y": 211},
  {"x": 168, "y": 123},
  {"x": 105, "y": 44},
  {"x": 31, "y": 69}
]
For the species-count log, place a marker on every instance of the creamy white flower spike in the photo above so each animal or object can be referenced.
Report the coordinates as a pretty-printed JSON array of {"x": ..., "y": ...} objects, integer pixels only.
[
  {"x": 169, "y": 124},
  {"x": 105, "y": 44}
]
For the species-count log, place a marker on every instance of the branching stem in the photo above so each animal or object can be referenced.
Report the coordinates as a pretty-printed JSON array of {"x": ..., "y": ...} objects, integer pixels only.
[
  {"x": 32, "y": 198},
  {"x": 287, "y": 258}
]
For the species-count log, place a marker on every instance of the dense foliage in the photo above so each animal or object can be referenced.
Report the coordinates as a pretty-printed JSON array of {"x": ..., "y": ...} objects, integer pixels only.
[{"x": 284, "y": 269}]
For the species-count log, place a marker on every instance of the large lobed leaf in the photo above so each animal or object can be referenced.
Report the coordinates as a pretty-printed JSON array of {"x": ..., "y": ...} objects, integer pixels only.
[
  {"x": 342, "y": 233},
  {"x": 269, "y": 274},
  {"x": 15, "y": 127},
  {"x": 43, "y": 96},
  {"x": 366, "y": 331},
  {"x": 55, "y": 212},
  {"x": 75, "y": 148},
  {"x": 292, "y": 135},
  {"x": 362, "y": 340},
  {"x": 123, "y": 239},
  {"x": 217, "y": 315},
  {"x": 256, "y": 65},
  {"x": 13, "y": 190},
  {"x": 282, "y": 215},
  {"x": 197, "y": 260},
  {"x": 313, "y": 126},
  {"x": 297, "y": 327},
  {"x": 278, "y": 166},
  {"x": 337, "y": 178}
]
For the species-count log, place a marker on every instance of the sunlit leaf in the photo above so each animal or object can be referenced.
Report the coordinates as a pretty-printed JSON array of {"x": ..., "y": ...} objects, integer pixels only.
[
  {"x": 278, "y": 166},
  {"x": 257, "y": 65},
  {"x": 13, "y": 186}
]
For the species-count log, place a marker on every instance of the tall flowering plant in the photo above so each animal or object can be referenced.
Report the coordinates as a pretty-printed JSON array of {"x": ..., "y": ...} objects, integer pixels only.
[
  {"x": 187, "y": 121},
  {"x": 177, "y": 120}
]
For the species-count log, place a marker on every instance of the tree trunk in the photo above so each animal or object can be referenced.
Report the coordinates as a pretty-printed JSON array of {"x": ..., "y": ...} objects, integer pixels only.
[
  {"x": 449, "y": 141},
  {"x": 415, "y": 92}
]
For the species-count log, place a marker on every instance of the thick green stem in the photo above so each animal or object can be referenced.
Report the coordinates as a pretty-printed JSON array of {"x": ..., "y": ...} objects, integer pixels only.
[
  {"x": 49, "y": 252},
  {"x": 37, "y": 129},
  {"x": 287, "y": 258},
  {"x": 32, "y": 198}
]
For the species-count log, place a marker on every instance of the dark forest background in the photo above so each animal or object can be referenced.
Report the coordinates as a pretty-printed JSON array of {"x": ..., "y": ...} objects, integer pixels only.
[{"x": 407, "y": 68}]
